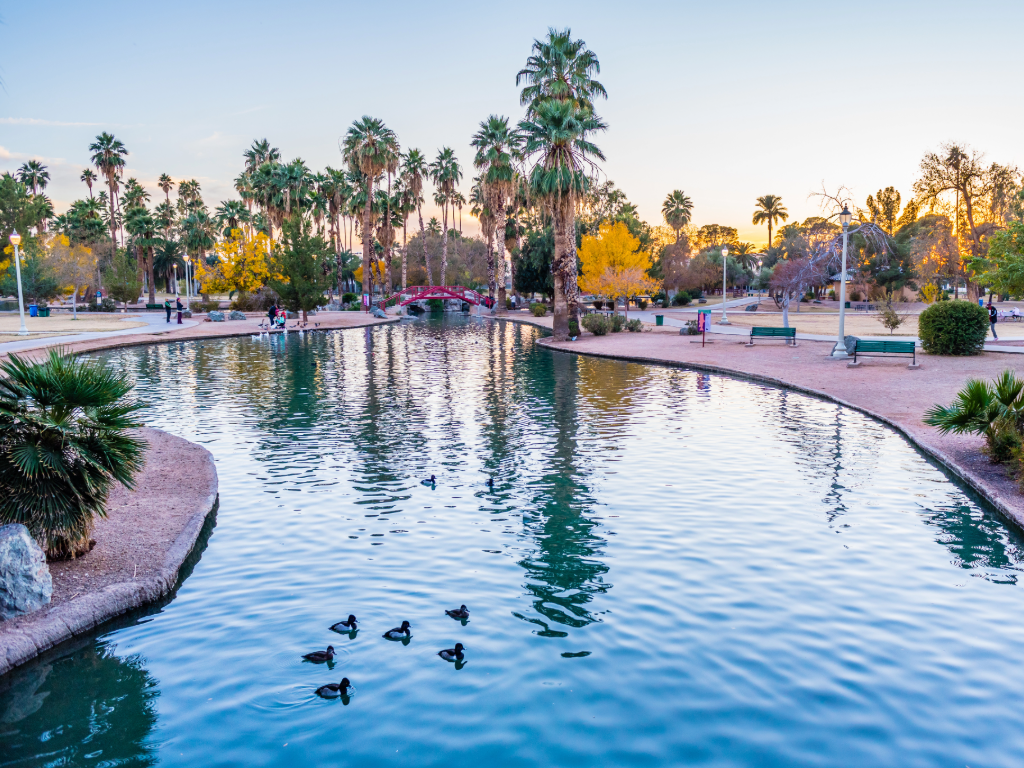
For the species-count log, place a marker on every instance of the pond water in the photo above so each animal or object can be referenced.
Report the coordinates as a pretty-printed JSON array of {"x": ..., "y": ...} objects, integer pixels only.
[{"x": 673, "y": 568}]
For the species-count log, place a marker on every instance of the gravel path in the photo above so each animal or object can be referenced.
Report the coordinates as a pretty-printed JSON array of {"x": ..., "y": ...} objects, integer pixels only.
[{"x": 140, "y": 546}]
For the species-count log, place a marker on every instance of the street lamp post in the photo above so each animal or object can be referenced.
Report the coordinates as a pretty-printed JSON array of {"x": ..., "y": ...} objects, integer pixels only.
[
  {"x": 839, "y": 353},
  {"x": 725, "y": 317},
  {"x": 188, "y": 281},
  {"x": 16, "y": 241}
]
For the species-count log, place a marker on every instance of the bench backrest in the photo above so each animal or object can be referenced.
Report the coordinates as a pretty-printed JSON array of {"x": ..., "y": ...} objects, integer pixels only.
[
  {"x": 905, "y": 347},
  {"x": 764, "y": 331}
]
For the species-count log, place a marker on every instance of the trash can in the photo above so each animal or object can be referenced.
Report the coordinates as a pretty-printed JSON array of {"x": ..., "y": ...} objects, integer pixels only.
[
  {"x": 44, "y": 311},
  {"x": 659, "y": 319},
  {"x": 33, "y": 310},
  {"x": 847, "y": 305}
]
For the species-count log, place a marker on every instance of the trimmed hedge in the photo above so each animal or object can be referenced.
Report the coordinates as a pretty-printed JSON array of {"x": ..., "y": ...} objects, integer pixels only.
[
  {"x": 953, "y": 328},
  {"x": 538, "y": 309}
]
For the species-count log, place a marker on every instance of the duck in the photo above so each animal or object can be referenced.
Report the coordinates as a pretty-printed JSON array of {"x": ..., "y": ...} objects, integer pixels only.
[
  {"x": 459, "y": 613},
  {"x": 398, "y": 633},
  {"x": 320, "y": 656},
  {"x": 453, "y": 654},
  {"x": 334, "y": 690},
  {"x": 345, "y": 626},
  {"x": 490, "y": 483},
  {"x": 431, "y": 481}
]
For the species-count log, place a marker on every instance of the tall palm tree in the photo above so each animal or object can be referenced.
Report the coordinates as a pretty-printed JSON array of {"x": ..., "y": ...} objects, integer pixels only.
[
  {"x": 414, "y": 167},
  {"x": 33, "y": 174},
  {"x": 142, "y": 226},
  {"x": 166, "y": 183},
  {"x": 88, "y": 176},
  {"x": 561, "y": 69},
  {"x": 771, "y": 210},
  {"x": 232, "y": 213},
  {"x": 496, "y": 150},
  {"x": 556, "y": 137},
  {"x": 677, "y": 210},
  {"x": 371, "y": 147},
  {"x": 446, "y": 174},
  {"x": 433, "y": 226},
  {"x": 108, "y": 154},
  {"x": 480, "y": 209}
]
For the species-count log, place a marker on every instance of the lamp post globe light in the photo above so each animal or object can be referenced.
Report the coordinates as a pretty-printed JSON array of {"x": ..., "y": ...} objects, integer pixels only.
[
  {"x": 16, "y": 241},
  {"x": 188, "y": 281},
  {"x": 839, "y": 353},
  {"x": 725, "y": 256}
]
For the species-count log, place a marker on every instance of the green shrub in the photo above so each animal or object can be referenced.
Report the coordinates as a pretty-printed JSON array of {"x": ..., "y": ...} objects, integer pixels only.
[
  {"x": 348, "y": 298},
  {"x": 107, "y": 305},
  {"x": 681, "y": 299},
  {"x": 953, "y": 328},
  {"x": 435, "y": 305},
  {"x": 598, "y": 325},
  {"x": 205, "y": 306},
  {"x": 538, "y": 309},
  {"x": 855, "y": 296},
  {"x": 641, "y": 303},
  {"x": 691, "y": 328},
  {"x": 618, "y": 323},
  {"x": 634, "y": 326},
  {"x": 508, "y": 302},
  {"x": 65, "y": 439},
  {"x": 574, "y": 329},
  {"x": 353, "y": 306}
]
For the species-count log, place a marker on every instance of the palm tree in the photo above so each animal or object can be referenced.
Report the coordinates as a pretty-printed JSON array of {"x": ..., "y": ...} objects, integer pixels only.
[
  {"x": 371, "y": 147},
  {"x": 232, "y": 212},
  {"x": 108, "y": 156},
  {"x": 433, "y": 226},
  {"x": 561, "y": 69},
  {"x": 65, "y": 438},
  {"x": 88, "y": 177},
  {"x": 446, "y": 174},
  {"x": 496, "y": 150},
  {"x": 414, "y": 167},
  {"x": 199, "y": 232},
  {"x": 556, "y": 136},
  {"x": 771, "y": 210},
  {"x": 33, "y": 174},
  {"x": 169, "y": 255},
  {"x": 166, "y": 183},
  {"x": 142, "y": 226},
  {"x": 746, "y": 254},
  {"x": 677, "y": 210},
  {"x": 483, "y": 214},
  {"x": 981, "y": 408}
]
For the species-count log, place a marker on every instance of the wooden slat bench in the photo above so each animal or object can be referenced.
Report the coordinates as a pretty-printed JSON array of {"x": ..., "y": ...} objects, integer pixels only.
[
  {"x": 878, "y": 348},
  {"x": 789, "y": 334}
]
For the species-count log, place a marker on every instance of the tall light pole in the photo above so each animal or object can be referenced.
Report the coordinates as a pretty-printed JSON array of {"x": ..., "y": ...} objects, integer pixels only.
[
  {"x": 839, "y": 353},
  {"x": 725, "y": 255},
  {"x": 188, "y": 281},
  {"x": 16, "y": 241}
]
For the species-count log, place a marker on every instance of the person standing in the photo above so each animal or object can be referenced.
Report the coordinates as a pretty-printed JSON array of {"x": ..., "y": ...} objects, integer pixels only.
[
  {"x": 167, "y": 306},
  {"x": 181, "y": 308},
  {"x": 993, "y": 318}
]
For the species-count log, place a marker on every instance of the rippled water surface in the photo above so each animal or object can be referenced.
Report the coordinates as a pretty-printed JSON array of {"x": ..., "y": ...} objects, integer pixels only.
[{"x": 672, "y": 569}]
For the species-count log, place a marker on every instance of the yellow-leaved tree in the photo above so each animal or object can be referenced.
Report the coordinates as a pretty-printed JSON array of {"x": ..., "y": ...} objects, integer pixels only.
[
  {"x": 74, "y": 265},
  {"x": 613, "y": 264},
  {"x": 244, "y": 264}
]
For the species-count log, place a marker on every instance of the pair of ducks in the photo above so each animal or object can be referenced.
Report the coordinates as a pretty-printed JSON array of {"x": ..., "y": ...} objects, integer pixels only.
[
  {"x": 432, "y": 481},
  {"x": 335, "y": 690}
]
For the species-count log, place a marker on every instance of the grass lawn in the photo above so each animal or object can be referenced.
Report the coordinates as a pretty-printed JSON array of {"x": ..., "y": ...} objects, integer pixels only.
[{"x": 62, "y": 324}]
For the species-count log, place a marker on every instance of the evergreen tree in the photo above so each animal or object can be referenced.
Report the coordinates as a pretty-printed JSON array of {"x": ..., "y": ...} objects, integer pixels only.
[{"x": 304, "y": 262}]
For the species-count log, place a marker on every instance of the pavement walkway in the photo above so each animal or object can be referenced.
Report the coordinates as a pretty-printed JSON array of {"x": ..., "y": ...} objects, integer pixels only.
[{"x": 156, "y": 324}]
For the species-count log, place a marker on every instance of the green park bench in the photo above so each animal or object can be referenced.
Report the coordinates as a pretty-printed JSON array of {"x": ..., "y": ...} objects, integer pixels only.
[
  {"x": 878, "y": 348},
  {"x": 772, "y": 333},
  {"x": 154, "y": 306}
]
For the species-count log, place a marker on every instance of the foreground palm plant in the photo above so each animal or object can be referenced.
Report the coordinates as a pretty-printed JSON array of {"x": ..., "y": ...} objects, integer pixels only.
[
  {"x": 994, "y": 410},
  {"x": 64, "y": 442}
]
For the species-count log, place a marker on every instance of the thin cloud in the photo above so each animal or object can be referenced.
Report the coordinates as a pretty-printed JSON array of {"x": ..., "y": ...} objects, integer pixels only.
[{"x": 37, "y": 121}]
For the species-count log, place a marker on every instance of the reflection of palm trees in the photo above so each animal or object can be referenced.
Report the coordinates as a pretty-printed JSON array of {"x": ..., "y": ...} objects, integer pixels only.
[
  {"x": 564, "y": 571},
  {"x": 95, "y": 703},
  {"x": 978, "y": 539}
]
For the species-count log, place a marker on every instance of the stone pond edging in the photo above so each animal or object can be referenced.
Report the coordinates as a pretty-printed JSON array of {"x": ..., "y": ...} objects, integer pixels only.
[
  {"x": 984, "y": 489},
  {"x": 28, "y": 636}
]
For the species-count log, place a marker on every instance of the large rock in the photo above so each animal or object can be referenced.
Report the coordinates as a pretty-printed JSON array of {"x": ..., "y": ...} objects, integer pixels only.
[
  {"x": 378, "y": 312},
  {"x": 25, "y": 583},
  {"x": 216, "y": 316},
  {"x": 236, "y": 315}
]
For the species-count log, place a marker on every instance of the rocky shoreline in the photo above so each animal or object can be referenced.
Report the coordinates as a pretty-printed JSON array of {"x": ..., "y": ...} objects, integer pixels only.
[{"x": 140, "y": 547}]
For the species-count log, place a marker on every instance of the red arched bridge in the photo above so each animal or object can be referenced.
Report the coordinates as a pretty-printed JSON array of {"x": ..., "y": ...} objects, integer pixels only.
[{"x": 443, "y": 292}]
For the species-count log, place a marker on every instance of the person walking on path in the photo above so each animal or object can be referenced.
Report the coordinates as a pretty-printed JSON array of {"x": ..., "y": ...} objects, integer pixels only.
[
  {"x": 181, "y": 308},
  {"x": 993, "y": 318},
  {"x": 167, "y": 306}
]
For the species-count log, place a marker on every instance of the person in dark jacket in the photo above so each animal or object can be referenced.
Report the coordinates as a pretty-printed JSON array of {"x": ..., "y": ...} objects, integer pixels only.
[
  {"x": 993, "y": 318},
  {"x": 167, "y": 306},
  {"x": 181, "y": 308}
]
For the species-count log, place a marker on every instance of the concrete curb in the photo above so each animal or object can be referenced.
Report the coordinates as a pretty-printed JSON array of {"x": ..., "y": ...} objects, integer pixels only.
[
  {"x": 983, "y": 489},
  {"x": 49, "y": 627}
]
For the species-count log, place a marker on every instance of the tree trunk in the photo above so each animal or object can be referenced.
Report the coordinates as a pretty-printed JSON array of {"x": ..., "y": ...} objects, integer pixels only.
[
  {"x": 560, "y": 324},
  {"x": 572, "y": 291},
  {"x": 152, "y": 276},
  {"x": 499, "y": 240},
  {"x": 423, "y": 239},
  {"x": 490, "y": 267},
  {"x": 405, "y": 249},
  {"x": 367, "y": 235},
  {"x": 444, "y": 246}
]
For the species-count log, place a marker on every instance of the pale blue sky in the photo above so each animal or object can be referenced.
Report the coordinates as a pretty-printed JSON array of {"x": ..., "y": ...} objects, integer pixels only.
[{"x": 726, "y": 100}]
